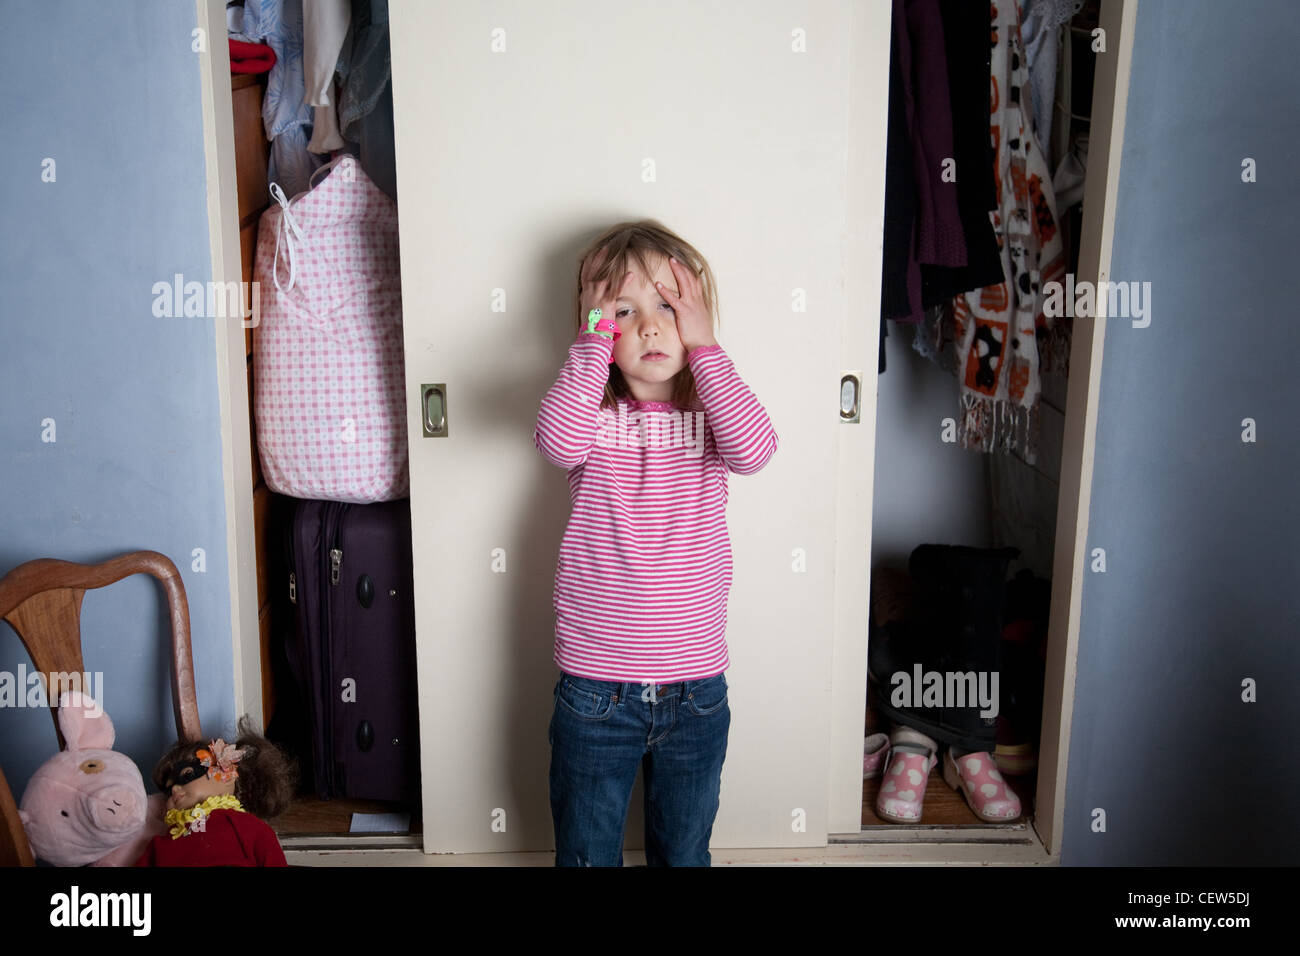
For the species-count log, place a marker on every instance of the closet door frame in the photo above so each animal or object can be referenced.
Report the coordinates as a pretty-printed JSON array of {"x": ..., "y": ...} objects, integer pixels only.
[
  {"x": 1070, "y": 558},
  {"x": 232, "y": 369},
  {"x": 1110, "y": 89},
  {"x": 847, "y": 842}
]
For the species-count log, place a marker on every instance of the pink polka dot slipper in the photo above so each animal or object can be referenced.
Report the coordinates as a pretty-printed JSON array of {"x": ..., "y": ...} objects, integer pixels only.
[
  {"x": 977, "y": 777},
  {"x": 912, "y": 756}
]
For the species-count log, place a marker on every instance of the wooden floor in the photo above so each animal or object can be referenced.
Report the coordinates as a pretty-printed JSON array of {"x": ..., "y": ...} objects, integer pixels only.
[{"x": 310, "y": 816}]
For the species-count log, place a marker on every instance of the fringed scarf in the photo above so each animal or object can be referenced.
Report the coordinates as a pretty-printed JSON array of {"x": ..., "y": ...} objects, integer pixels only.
[{"x": 997, "y": 338}]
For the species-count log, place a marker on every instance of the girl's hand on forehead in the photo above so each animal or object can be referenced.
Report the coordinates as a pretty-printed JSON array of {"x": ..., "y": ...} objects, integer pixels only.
[
  {"x": 694, "y": 324},
  {"x": 602, "y": 296}
]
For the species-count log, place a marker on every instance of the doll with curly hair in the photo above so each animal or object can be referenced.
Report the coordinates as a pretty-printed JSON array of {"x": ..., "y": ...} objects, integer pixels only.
[{"x": 218, "y": 797}]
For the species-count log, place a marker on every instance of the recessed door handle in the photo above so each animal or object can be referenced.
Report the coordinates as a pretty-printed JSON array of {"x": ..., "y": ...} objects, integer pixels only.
[
  {"x": 433, "y": 406},
  {"x": 851, "y": 397}
]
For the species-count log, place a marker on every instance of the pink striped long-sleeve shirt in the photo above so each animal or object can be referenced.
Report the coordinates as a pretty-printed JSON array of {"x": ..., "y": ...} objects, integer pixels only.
[{"x": 644, "y": 570}]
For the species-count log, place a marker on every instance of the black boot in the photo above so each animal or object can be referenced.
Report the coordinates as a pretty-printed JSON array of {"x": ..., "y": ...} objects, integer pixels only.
[{"x": 955, "y": 627}]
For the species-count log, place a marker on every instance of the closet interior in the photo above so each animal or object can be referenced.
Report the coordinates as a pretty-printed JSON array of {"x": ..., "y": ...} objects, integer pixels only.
[
  {"x": 983, "y": 207},
  {"x": 282, "y": 138}
]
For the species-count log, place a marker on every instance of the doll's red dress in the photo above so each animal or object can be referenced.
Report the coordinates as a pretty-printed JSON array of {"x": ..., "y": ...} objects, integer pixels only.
[{"x": 228, "y": 838}]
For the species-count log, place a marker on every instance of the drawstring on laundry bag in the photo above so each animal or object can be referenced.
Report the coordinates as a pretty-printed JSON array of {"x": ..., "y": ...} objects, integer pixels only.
[{"x": 286, "y": 220}]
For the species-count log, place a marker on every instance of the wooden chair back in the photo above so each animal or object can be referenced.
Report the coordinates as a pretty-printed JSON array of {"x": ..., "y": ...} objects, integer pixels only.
[{"x": 41, "y": 600}]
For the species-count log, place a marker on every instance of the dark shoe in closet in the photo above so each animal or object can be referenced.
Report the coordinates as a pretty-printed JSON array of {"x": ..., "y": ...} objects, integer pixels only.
[{"x": 955, "y": 628}]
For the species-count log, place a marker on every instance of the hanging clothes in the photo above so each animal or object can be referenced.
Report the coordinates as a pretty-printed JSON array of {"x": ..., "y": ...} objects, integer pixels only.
[
  {"x": 968, "y": 60},
  {"x": 899, "y": 205},
  {"x": 999, "y": 332},
  {"x": 939, "y": 239},
  {"x": 285, "y": 113},
  {"x": 922, "y": 222},
  {"x": 1068, "y": 181},
  {"x": 366, "y": 93},
  {"x": 938, "y": 233},
  {"x": 1041, "y": 21},
  {"x": 250, "y": 57},
  {"x": 324, "y": 25}
]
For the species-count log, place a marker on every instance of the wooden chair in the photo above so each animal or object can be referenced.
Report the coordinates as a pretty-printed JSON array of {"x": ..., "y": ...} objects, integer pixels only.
[{"x": 41, "y": 599}]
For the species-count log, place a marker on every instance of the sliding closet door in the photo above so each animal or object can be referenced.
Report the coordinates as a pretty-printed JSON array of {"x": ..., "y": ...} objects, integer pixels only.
[{"x": 754, "y": 129}]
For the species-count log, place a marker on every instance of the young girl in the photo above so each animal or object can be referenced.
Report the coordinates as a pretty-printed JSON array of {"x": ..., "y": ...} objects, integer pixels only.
[
  {"x": 216, "y": 793},
  {"x": 648, "y": 416}
]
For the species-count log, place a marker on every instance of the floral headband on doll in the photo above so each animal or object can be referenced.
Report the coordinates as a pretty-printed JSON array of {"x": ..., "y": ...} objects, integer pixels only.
[{"x": 217, "y": 761}]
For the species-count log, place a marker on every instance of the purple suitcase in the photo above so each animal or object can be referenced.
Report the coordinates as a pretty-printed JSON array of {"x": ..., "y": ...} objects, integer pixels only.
[{"x": 352, "y": 647}]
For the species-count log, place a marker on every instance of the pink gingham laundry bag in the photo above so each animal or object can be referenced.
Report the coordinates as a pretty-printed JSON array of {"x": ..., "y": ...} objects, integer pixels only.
[{"x": 328, "y": 368}]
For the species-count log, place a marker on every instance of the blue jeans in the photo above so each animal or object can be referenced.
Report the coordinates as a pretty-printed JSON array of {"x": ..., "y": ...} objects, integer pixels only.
[{"x": 600, "y": 731}]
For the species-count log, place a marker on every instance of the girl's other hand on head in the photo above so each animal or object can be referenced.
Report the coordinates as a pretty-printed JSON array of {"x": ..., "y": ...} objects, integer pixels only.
[{"x": 694, "y": 324}]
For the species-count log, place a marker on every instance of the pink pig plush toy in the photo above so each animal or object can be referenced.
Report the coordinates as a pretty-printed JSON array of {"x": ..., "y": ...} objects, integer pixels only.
[{"x": 87, "y": 804}]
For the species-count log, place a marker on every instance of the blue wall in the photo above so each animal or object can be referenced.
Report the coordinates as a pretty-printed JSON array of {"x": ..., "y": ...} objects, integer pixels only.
[
  {"x": 111, "y": 93},
  {"x": 1200, "y": 531}
]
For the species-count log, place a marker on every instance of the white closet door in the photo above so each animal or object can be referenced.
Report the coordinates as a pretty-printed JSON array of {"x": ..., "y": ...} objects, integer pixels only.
[{"x": 754, "y": 129}]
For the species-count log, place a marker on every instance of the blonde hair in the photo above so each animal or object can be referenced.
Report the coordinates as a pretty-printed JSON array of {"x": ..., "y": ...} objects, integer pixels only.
[{"x": 642, "y": 241}]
